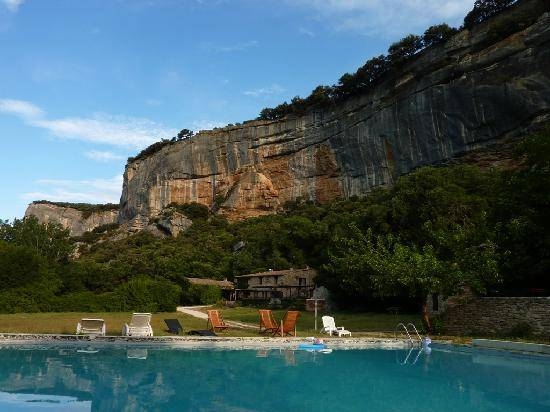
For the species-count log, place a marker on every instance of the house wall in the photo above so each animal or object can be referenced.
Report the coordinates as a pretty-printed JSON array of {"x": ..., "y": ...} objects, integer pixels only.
[
  {"x": 287, "y": 282},
  {"x": 482, "y": 316}
]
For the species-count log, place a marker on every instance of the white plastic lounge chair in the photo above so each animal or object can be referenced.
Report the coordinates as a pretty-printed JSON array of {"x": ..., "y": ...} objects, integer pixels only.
[
  {"x": 88, "y": 326},
  {"x": 140, "y": 325},
  {"x": 329, "y": 327}
]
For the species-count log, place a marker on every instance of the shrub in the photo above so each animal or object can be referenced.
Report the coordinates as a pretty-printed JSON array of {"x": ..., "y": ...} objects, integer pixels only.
[
  {"x": 143, "y": 294},
  {"x": 521, "y": 330},
  {"x": 201, "y": 295}
]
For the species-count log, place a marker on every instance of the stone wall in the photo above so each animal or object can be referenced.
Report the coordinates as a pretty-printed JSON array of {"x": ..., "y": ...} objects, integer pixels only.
[{"x": 486, "y": 316}]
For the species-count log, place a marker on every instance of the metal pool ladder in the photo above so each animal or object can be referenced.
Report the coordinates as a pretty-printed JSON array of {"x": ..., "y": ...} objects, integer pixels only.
[{"x": 407, "y": 332}]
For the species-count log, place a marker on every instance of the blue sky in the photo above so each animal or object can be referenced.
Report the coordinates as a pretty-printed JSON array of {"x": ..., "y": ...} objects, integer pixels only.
[{"x": 85, "y": 84}]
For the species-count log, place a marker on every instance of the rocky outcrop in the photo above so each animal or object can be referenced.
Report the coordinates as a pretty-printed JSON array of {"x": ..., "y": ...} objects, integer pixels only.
[
  {"x": 75, "y": 220},
  {"x": 467, "y": 94}
]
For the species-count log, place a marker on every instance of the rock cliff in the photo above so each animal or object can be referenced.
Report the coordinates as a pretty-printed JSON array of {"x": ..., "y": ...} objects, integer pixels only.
[
  {"x": 464, "y": 95},
  {"x": 75, "y": 220},
  {"x": 482, "y": 88}
]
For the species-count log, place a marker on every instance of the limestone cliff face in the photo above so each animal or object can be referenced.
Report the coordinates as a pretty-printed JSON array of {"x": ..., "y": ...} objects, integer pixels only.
[
  {"x": 71, "y": 218},
  {"x": 451, "y": 100}
]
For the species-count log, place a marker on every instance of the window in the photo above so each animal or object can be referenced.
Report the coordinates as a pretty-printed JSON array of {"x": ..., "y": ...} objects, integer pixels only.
[
  {"x": 302, "y": 281},
  {"x": 435, "y": 302}
]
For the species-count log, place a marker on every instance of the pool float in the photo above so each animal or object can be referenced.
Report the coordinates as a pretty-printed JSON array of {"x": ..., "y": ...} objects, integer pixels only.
[{"x": 312, "y": 346}]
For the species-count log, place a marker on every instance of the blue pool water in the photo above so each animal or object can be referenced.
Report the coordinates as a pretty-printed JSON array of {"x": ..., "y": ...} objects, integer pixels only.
[{"x": 117, "y": 378}]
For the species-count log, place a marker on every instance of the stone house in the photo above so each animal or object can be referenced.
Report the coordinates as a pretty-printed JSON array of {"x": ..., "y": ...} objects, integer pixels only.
[
  {"x": 227, "y": 287},
  {"x": 276, "y": 284}
]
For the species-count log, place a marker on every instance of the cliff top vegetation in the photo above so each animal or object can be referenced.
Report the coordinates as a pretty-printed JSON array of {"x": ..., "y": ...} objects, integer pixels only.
[{"x": 86, "y": 208}]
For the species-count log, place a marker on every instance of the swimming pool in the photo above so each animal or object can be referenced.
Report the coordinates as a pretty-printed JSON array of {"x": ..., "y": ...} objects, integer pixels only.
[{"x": 144, "y": 378}]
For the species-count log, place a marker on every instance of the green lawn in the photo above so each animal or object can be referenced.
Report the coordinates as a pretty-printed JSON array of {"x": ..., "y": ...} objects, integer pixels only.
[
  {"x": 65, "y": 323},
  {"x": 352, "y": 321}
]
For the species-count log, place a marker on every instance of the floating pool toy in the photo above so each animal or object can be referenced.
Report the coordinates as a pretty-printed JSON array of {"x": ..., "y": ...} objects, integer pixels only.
[{"x": 313, "y": 344}]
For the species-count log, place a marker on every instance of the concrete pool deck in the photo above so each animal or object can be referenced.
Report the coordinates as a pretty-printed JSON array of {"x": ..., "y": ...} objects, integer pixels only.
[
  {"x": 524, "y": 347},
  {"x": 221, "y": 342}
]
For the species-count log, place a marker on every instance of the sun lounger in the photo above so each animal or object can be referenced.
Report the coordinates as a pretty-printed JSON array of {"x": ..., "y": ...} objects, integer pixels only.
[
  {"x": 268, "y": 324},
  {"x": 174, "y": 326},
  {"x": 89, "y": 326},
  {"x": 215, "y": 320},
  {"x": 329, "y": 326},
  {"x": 140, "y": 325},
  {"x": 288, "y": 324}
]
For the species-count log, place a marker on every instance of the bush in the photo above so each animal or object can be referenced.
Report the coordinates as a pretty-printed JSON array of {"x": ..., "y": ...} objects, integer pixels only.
[
  {"x": 201, "y": 295},
  {"x": 521, "y": 330},
  {"x": 16, "y": 302},
  {"x": 484, "y": 9},
  {"x": 143, "y": 294}
]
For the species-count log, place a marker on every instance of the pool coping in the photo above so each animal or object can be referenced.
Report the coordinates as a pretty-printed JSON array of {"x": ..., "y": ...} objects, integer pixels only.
[
  {"x": 222, "y": 342},
  {"x": 524, "y": 347}
]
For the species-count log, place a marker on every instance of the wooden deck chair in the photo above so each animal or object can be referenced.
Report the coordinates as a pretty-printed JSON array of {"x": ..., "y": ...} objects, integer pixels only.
[
  {"x": 268, "y": 324},
  {"x": 215, "y": 320},
  {"x": 288, "y": 324},
  {"x": 88, "y": 326},
  {"x": 140, "y": 325}
]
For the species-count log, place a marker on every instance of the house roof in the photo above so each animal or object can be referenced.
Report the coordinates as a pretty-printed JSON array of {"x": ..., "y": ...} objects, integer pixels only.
[
  {"x": 280, "y": 273},
  {"x": 223, "y": 284}
]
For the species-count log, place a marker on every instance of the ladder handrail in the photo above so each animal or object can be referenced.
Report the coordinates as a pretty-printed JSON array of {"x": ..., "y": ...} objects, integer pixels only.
[
  {"x": 416, "y": 331},
  {"x": 407, "y": 332}
]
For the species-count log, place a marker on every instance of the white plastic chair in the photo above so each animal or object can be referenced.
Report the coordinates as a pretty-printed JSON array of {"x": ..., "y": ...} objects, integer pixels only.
[
  {"x": 140, "y": 325},
  {"x": 329, "y": 326},
  {"x": 89, "y": 326}
]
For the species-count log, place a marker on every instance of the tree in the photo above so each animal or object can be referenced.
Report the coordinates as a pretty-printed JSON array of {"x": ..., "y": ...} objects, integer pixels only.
[
  {"x": 405, "y": 48},
  {"x": 371, "y": 71},
  {"x": 484, "y": 9},
  {"x": 184, "y": 134},
  {"x": 523, "y": 215},
  {"x": 437, "y": 34},
  {"x": 49, "y": 239},
  {"x": 320, "y": 96}
]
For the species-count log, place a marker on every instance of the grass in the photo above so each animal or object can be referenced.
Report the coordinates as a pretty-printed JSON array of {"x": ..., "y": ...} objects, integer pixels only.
[
  {"x": 65, "y": 323},
  {"x": 360, "y": 324}
]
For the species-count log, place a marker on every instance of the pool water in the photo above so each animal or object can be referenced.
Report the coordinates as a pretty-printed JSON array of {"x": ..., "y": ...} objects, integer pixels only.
[{"x": 118, "y": 378}]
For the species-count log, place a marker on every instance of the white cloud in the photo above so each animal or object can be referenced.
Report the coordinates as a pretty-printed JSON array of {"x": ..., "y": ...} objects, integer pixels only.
[
  {"x": 306, "y": 32},
  {"x": 121, "y": 131},
  {"x": 103, "y": 156},
  {"x": 79, "y": 191},
  {"x": 385, "y": 17},
  {"x": 237, "y": 47},
  {"x": 12, "y": 5},
  {"x": 198, "y": 125},
  {"x": 20, "y": 108},
  {"x": 153, "y": 102},
  {"x": 265, "y": 91},
  {"x": 107, "y": 129}
]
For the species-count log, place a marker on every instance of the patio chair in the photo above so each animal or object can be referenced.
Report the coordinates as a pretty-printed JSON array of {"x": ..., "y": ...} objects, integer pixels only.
[
  {"x": 215, "y": 320},
  {"x": 329, "y": 326},
  {"x": 89, "y": 326},
  {"x": 288, "y": 324},
  {"x": 174, "y": 326},
  {"x": 140, "y": 325},
  {"x": 268, "y": 324}
]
